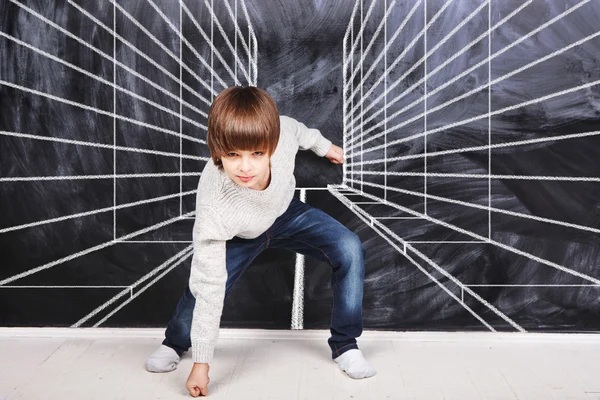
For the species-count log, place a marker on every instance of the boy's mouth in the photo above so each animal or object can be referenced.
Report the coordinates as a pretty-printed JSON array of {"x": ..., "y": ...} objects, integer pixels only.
[{"x": 245, "y": 178}]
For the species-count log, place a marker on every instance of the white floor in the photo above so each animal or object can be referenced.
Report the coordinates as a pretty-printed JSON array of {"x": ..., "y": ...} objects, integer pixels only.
[{"x": 255, "y": 364}]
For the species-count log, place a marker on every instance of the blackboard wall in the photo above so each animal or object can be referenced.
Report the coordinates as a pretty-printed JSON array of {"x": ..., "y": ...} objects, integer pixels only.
[{"x": 60, "y": 123}]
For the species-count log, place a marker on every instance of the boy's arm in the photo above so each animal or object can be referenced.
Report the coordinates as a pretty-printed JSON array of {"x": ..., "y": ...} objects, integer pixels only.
[
  {"x": 208, "y": 276},
  {"x": 308, "y": 138}
]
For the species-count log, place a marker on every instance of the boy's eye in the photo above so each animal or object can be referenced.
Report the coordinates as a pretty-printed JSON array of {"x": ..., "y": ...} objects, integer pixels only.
[
  {"x": 258, "y": 153},
  {"x": 231, "y": 154}
]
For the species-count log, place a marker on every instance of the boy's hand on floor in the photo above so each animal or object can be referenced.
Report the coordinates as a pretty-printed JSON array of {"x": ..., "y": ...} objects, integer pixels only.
[
  {"x": 197, "y": 383},
  {"x": 335, "y": 154}
]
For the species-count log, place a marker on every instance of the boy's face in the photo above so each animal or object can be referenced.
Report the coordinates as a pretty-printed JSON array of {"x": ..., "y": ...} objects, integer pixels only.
[{"x": 249, "y": 169}]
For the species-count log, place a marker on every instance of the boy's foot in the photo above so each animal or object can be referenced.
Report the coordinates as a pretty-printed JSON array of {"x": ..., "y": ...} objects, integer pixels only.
[
  {"x": 355, "y": 365},
  {"x": 164, "y": 359}
]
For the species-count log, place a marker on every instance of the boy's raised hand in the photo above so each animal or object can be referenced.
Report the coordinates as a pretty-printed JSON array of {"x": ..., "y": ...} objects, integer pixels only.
[
  {"x": 197, "y": 383},
  {"x": 335, "y": 154}
]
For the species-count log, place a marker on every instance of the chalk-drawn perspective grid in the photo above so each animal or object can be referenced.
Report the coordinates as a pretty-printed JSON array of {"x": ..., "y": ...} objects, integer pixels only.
[
  {"x": 404, "y": 113},
  {"x": 224, "y": 53}
]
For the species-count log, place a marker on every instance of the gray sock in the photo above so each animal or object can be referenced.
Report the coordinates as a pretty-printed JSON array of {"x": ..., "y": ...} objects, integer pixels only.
[
  {"x": 355, "y": 365},
  {"x": 164, "y": 359}
]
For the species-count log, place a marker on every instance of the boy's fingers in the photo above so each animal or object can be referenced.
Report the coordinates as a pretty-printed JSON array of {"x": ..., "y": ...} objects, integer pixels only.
[
  {"x": 194, "y": 391},
  {"x": 336, "y": 158}
]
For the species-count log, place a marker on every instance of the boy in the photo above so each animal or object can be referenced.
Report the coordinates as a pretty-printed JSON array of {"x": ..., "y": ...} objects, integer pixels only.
[{"x": 245, "y": 204}]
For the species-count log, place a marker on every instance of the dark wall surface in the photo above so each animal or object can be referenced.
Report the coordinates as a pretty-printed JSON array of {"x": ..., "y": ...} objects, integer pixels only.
[{"x": 95, "y": 113}]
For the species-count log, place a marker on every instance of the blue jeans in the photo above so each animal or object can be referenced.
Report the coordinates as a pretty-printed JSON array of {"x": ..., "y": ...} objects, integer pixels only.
[{"x": 305, "y": 230}]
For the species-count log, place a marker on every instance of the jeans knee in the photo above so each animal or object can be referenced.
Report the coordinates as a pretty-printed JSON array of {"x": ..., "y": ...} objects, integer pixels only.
[{"x": 351, "y": 249}]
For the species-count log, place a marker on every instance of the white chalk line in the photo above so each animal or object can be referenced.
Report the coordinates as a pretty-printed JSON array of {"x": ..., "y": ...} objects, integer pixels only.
[
  {"x": 408, "y": 72},
  {"x": 156, "y": 241},
  {"x": 362, "y": 28},
  {"x": 298, "y": 294},
  {"x": 372, "y": 41},
  {"x": 181, "y": 255},
  {"x": 102, "y": 80},
  {"x": 414, "y": 66},
  {"x": 206, "y": 38},
  {"x": 424, "y": 119},
  {"x": 344, "y": 62},
  {"x": 180, "y": 113},
  {"x": 162, "y": 46},
  {"x": 297, "y": 321},
  {"x": 350, "y": 59},
  {"x": 90, "y": 250},
  {"x": 254, "y": 42},
  {"x": 349, "y": 29},
  {"x": 493, "y": 209},
  {"x": 239, "y": 32},
  {"x": 486, "y": 147},
  {"x": 465, "y": 288},
  {"x": 487, "y": 176},
  {"x": 233, "y": 50},
  {"x": 476, "y": 90},
  {"x": 101, "y": 145},
  {"x": 99, "y": 111},
  {"x": 392, "y": 217},
  {"x": 447, "y": 242},
  {"x": 187, "y": 43},
  {"x": 145, "y": 57},
  {"x": 448, "y": 61},
  {"x": 86, "y": 177},
  {"x": 385, "y": 85},
  {"x": 382, "y": 54},
  {"x": 488, "y": 60},
  {"x": 64, "y": 287},
  {"x": 352, "y": 16},
  {"x": 212, "y": 55},
  {"x": 250, "y": 55},
  {"x": 486, "y": 115},
  {"x": 433, "y": 264},
  {"x": 228, "y": 43},
  {"x": 379, "y": 228},
  {"x": 114, "y": 121},
  {"x": 479, "y": 237},
  {"x": 236, "y": 38},
  {"x": 361, "y": 68},
  {"x": 396, "y": 61},
  {"x": 93, "y": 212},
  {"x": 312, "y": 188},
  {"x": 133, "y": 296},
  {"x": 532, "y": 285},
  {"x": 489, "y": 171},
  {"x": 99, "y": 52}
]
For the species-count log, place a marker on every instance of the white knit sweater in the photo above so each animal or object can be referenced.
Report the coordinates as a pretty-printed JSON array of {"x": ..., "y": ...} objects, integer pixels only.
[{"x": 224, "y": 210}]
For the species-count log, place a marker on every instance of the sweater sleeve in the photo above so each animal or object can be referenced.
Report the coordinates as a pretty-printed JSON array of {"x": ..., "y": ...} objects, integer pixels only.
[
  {"x": 208, "y": 276},
  {"x": 308, "y": 138}
]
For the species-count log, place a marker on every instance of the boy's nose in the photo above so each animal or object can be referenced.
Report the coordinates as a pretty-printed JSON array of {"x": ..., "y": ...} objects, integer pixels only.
[{"x": 245, "y": 166}]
